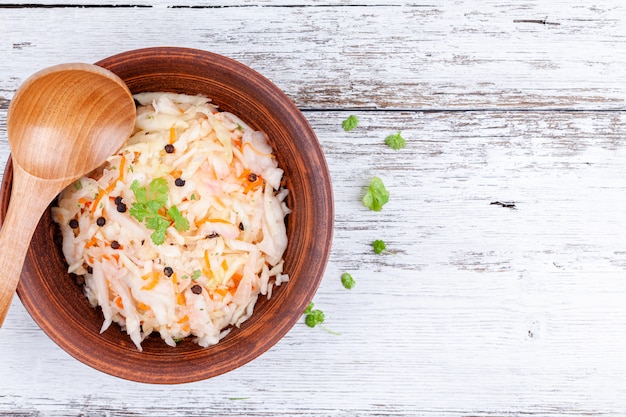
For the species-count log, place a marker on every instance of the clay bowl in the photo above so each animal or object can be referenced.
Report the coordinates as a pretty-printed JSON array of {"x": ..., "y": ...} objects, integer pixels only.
[{"x": 56, "y": 301}]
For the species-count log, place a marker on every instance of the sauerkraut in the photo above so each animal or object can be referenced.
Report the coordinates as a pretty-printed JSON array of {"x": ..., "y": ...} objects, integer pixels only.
[{"x": 213, "y": 235}]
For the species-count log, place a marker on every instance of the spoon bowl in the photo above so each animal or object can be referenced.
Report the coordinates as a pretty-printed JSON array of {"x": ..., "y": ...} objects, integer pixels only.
[{"x": 63, "y": 122}]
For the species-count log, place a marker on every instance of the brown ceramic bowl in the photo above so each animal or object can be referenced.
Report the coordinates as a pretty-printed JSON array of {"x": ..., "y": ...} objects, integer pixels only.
[{"x": 57, "y": 303}]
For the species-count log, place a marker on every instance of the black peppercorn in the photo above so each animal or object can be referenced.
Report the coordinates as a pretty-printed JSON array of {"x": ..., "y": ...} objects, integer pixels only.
[
  {"x": 73, "y": 223},
  {"x": 240, "y": 226},
  {"x": 118, "y": 200},
  {"x": 252, "y": 177},
  {"x": 169, "y": 148},
  {"x": 196, "y": 289},
  {"x": 101, "y": 221},
  {"x": 115, "y": 244},
  {"x": 121, "y": 207},
  {"x": 89, "y": 269},
  {"x": 179, "y": 182},
  {"x": 168, "y": 271}
]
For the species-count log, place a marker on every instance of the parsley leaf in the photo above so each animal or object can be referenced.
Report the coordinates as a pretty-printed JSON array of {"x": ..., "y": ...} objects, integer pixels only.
[
  {"x": 148, "y": 208},
  {"x": 379, "y": 246},
  {"x": 347, "y": 281},
  {"x": 156, "y": 222},
  {"x": 158, "y": 236},
  {"x": 141, "y": 194},
  {"x": 350, "y": 123},
  {"x": 376, "y": 195},
  {"x": 196, "y": 274},
  {"x": 313, "y": 316},
  {"x": 395, "y": 141},
  {"x": 158, "y": 191},
  {"x": 180, "y": 222}
]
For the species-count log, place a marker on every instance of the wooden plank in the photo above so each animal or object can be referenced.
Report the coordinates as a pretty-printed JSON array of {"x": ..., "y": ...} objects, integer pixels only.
[
  {"x": 477, "y": 309},
  {"x": 475, "y": 55}
]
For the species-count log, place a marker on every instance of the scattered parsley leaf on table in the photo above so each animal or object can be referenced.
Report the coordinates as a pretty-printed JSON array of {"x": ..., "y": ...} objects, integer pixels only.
[
  {"x": 379, "y": 246},
  {"x": 347, "y": 281},
  {"x": 350, "y": 123},
  {"x": 313, "y": 317},
  {"x": 395, "y": 141},
  {"x": 376, "y": 195}
]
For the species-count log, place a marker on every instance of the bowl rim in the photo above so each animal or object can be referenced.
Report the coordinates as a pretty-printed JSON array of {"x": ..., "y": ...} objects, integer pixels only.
[{"x": 167, "y": 371}]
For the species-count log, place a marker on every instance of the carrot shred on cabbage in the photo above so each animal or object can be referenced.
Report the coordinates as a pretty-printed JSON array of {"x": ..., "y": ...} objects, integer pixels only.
[
  {"x": 256, "y": 151},
  {"x": 172, "y": 135},
  {"x": 154, "y": 280},
  {"x": 110, "y": 188}
]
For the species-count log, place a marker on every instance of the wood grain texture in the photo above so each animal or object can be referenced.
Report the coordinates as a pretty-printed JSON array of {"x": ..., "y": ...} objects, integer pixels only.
[
  {"x": 477, "y": 309},
  {"x": 466, "y": 54}
]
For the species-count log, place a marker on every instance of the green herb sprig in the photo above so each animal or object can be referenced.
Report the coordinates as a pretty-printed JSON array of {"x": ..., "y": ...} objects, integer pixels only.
[
  {"x": 376, "y": 196},
  {"x": 314, "y": 317},
  {"x": 395, "y": 141},
  {"x": 379, "y": 246},
  {"x": 150, "y": 203},
  {"x": 350, "y": 123},
  {"x": 347, "y": 281}
]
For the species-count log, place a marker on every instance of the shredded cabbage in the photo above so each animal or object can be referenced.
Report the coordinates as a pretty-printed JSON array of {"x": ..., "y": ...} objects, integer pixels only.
[{"x": 223, "y": 178}]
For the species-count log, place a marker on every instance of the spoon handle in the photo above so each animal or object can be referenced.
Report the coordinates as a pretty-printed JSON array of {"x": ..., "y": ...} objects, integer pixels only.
[{"x": 30, "y": 196}]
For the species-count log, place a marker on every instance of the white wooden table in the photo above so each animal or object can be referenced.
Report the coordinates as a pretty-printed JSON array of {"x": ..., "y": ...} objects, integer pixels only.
[{"x": 477, "y": 309}]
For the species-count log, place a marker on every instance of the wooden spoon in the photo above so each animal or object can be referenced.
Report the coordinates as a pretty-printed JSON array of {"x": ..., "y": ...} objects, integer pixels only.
[{"x": 63, "y": 122}]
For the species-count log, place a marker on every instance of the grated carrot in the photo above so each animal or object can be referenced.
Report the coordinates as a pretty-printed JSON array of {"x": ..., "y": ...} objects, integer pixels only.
[
  {"x": 236, "y": 279},
  {"x": 92, "y": 242},
  {"x": 110, "y": 188},
  {"x": 122, "y": 168},
  {"x": 221, "y": 291},
  {"x": 118, "y": 302},
  {"x": 256, "y": 151},
  {"x": 211, "y": 220},
  {"x": 172, "y": 135},
  {"x": 154, "y": 280},
  {"x": 143, "y": 306},
  {"x": 244, "y": 174},
  {"x": 253, "y": 185},
  {"x": 247, "y": 184}
]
